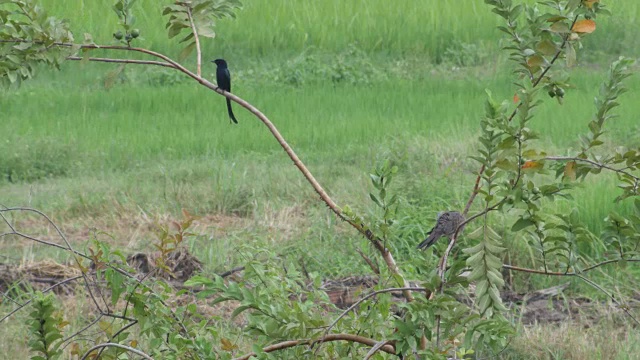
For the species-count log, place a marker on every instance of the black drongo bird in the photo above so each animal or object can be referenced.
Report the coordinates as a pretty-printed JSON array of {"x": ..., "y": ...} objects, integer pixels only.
[
  {"x": 446, "y": 225},
  {"x": 223, "y": 77}
]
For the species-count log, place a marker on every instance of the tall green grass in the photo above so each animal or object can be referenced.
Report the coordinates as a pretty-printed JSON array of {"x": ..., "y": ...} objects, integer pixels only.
[
  {"x": 132, "y": 123},
  {"x": 270, "y": 28}
]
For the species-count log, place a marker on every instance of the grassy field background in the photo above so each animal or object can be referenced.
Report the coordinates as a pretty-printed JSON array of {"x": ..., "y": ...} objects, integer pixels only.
[{"x": 348, "y": 83}]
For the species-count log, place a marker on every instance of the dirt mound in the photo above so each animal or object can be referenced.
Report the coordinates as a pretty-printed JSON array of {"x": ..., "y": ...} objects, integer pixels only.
[
  {"x": 543, "y": 306},
  {"x": 178, "y": 265},
  {"x": 39, "y": 276}
]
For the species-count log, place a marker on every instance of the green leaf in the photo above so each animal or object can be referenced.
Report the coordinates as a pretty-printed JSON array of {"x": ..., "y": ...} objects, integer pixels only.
[
  {"x": 572, "y": 5},
  {"x": 240, "y": 309},
  {"x": 375, "y": 199},
  {"x": 521, "y": 224},
  {"x": 207, "y": 31}
]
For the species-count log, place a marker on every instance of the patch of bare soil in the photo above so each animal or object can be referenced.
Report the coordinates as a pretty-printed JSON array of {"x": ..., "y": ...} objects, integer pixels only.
[{"x": 540, "y": 307}]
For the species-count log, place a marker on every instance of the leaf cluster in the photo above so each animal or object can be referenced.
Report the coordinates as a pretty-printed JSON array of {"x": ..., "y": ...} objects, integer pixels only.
[
  {"x": 202, "y": 13},
  {"x": 28, "y": 37}
]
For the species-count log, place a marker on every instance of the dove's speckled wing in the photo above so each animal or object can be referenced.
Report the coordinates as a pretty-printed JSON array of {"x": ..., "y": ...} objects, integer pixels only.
[{"x": 446, "y": 225}]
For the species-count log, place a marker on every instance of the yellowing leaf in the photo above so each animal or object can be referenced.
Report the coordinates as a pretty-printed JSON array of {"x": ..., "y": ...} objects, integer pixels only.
[
  {"x": 227, "y": 345},
  {"x": 547, "y": 47},
  {"x": 133, "y": 343},
  {"x": 570, "y": 170},
  {"x": 106, "y": 327},
  {"x": 560, "y": 27},
  {"x": 535, "y": 61},
  {"x": 62, "y": 324},
  {"x": 584, "y": 26}
]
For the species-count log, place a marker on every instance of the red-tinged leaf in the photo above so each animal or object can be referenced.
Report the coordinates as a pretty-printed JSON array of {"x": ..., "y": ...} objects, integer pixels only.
[
  {"x": 584, "y": 26},
  {"x": 75, "y": 349},
  {"x": 532, "y": 164}
]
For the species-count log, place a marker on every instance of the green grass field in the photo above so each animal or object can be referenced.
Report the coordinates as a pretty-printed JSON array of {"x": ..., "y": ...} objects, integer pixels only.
[{"x": 155, "y": 143}]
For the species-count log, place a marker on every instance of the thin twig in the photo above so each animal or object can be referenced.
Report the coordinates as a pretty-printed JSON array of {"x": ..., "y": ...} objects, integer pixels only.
[
  {"x": 624, "y": 308},
  {"x": 70, "y": 337},
  {"x": 122, "y": 61},
  {"x": 68, "y": 247},
  {"x": 573, "y": 273},
  {"x": 231, "y": 272},
  {"x": 115, "y": 335},
  {"x": 583, "y": 278},
  {"x": 44, "y": 292},
  {"x": 591, "y": 162},
  {"x": 607, "y": 262},
  {"x": 557, "y": 55},
  {"x": 474, "y": 193},
  {"x": 105, "y": 345},
  {"x": 374, "y": 267},
  {"x": 196, "y": 38},
  {"x": 354, "y": 305},
  {"x": 389, "y": 349},
  {"x": 376, "y": 348}
]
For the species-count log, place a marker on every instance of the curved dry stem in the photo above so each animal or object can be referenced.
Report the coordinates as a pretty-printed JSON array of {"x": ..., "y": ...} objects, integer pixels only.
[
  {"x": 376, "y": 348},
  {"x": 124, "y": 347},
  {"x": 121, "y": 61},
  {"x": 196, "y": 38},
  {"x": 389, "y": 349}
]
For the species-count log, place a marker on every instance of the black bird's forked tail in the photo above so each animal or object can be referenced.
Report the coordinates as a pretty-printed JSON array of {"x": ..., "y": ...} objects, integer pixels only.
[
  {"x": 223, "y": 77},
  {"x": 233, "y": 118}
]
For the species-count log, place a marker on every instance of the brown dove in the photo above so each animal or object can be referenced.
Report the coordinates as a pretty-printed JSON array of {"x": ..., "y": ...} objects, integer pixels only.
[{"x": 446, "y": 225}]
